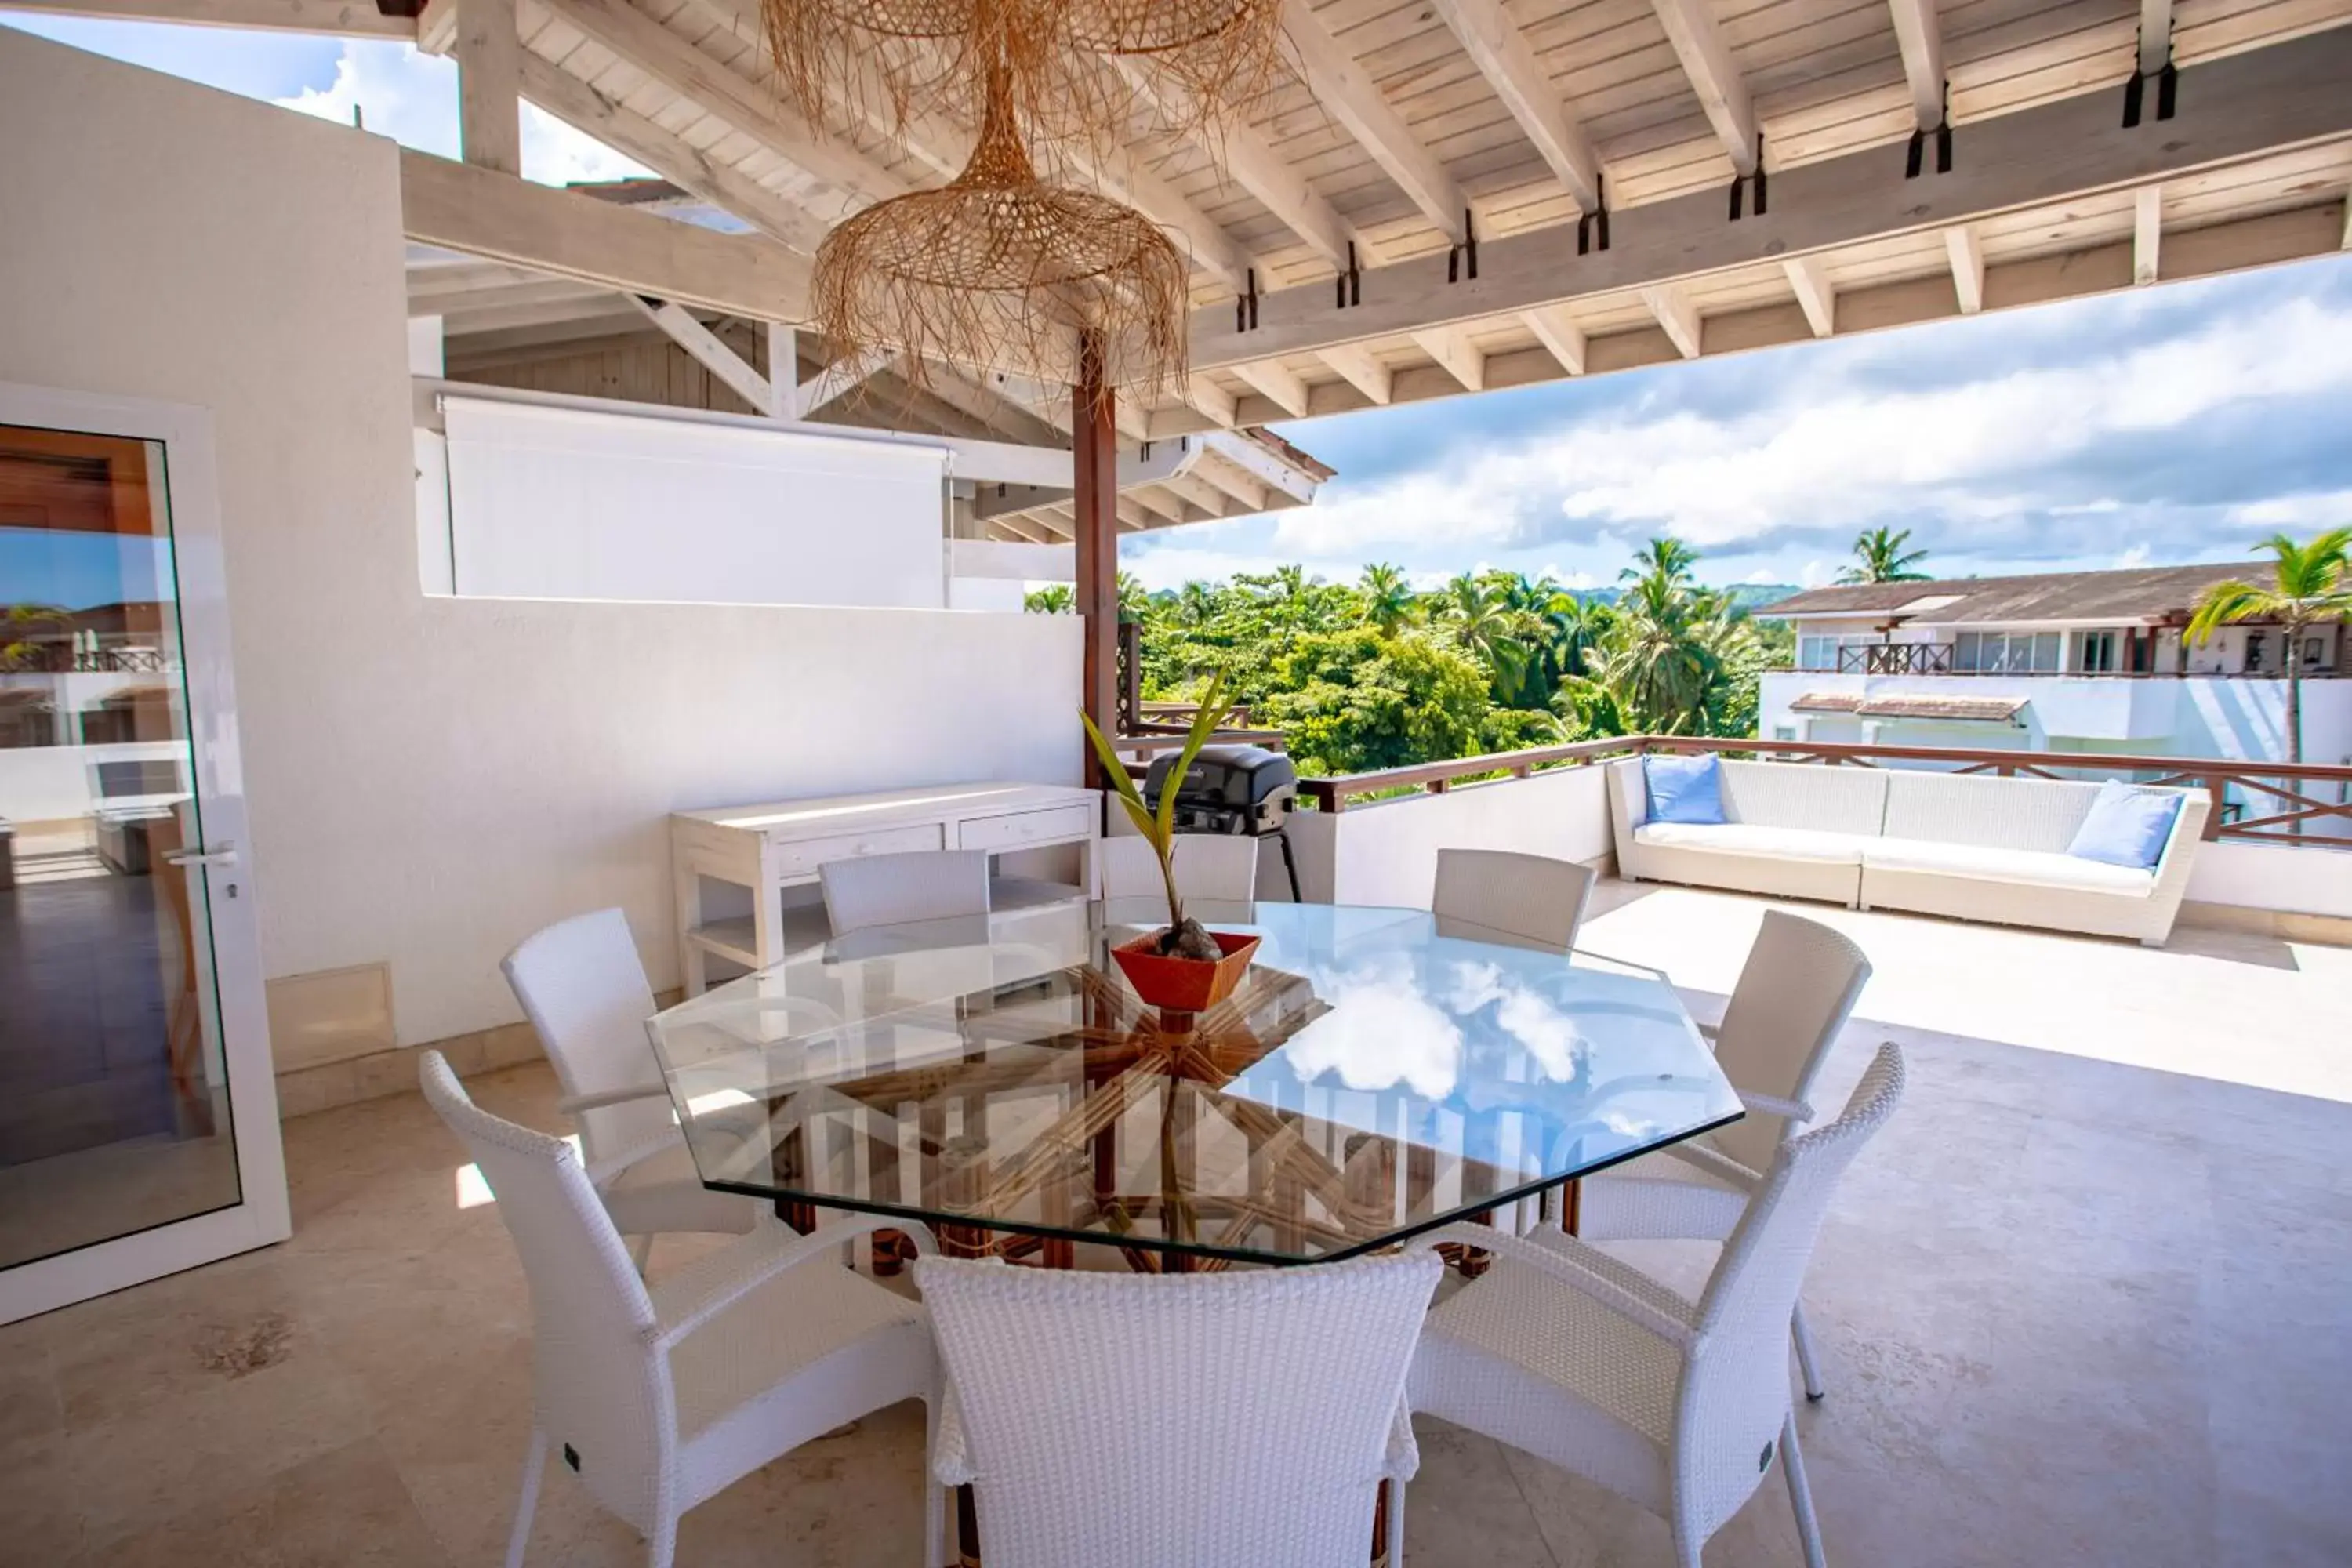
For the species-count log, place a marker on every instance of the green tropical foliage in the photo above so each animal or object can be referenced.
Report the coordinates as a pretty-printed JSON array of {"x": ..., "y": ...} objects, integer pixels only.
[
  {"x": 1879, "y": 557},
  {"x": 2310, "y": 586},
  {"x": 1379, "y": 674}
]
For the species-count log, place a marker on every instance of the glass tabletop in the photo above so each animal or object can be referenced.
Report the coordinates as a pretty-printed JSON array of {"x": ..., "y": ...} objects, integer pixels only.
[{"x": 1378, "y": 1072}]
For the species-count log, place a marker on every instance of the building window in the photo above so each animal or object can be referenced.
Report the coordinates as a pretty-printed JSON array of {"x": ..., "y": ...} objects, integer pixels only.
[
  {"x": 2095, "y": 653},
  {"x": 2009, "y": 653},
  {"x": 2315, "y": 649},
  {"x": 1820, "y": 652},
  {"x": 1784, "y": 731},
  {"x": 2254, "y": 665}
]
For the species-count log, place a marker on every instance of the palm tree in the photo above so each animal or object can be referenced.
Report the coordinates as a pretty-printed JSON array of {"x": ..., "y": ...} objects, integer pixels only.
[
  {"x": 1489, "y": 629},
  {"x": 1572, "y": 627},
  {"x": 1052, "y": 599},
  {"x": 2311, "y": 585},
  {"x": 1883, "y": 558},
  {"x": 1388, "y": 597},
  {"x": 1668, "y": 560}
]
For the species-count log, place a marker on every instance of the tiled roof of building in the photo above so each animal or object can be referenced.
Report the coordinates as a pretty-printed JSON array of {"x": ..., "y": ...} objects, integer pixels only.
[{"x": 2134, "y": 594}]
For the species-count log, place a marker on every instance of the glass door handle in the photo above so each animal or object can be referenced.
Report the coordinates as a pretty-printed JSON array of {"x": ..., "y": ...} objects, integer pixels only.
[{"x": 224, "y": 856}]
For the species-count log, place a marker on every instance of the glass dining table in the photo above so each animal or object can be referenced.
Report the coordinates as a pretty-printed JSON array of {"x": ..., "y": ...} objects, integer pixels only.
[{"x": 1378, "y": 1073}]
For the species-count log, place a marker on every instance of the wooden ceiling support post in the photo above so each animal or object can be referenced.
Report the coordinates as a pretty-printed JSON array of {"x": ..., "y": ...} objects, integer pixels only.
[{"x": 1094, "y": 432}]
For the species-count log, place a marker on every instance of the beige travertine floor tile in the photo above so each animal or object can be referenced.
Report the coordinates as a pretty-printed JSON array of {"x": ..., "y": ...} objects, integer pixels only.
[{"x": 345, "y": 1508}]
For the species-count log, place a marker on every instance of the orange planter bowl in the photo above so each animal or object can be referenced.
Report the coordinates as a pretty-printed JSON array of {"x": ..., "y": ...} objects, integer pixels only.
[{"x": 1185, "y": 985}]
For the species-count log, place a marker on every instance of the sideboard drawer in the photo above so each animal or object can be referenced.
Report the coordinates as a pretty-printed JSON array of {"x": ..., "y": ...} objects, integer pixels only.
[
  {"x": 802, "y": 856},
  {"x": 1056, "y": 824}
]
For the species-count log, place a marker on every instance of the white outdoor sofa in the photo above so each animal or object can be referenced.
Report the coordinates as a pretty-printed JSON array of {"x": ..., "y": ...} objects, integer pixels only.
[{"x": 1963, "y": 845}]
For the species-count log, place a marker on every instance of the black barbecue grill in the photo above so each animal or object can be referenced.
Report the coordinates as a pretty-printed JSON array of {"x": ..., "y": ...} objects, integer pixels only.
[{"x": 1247, "y": 791}]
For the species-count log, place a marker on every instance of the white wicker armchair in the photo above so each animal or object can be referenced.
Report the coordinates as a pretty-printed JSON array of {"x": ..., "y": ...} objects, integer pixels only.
[
  {"x": 585, "y": 990},
  {"x": 661, "y": 1399},
  {"x": 1533, "y": 897},
  {"x": 1585, "y": 1361},
  {"x": 1179, "y": 1421},
  {"x": 1795, "y": 992},
  {"x": 898, "y": 890}
]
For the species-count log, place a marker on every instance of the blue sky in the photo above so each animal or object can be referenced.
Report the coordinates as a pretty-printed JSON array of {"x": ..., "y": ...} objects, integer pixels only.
[{"x": 2179, "y": 423}]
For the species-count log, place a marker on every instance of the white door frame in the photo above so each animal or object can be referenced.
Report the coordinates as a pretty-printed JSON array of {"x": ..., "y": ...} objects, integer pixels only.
[{"x": 261, "y": 1216}]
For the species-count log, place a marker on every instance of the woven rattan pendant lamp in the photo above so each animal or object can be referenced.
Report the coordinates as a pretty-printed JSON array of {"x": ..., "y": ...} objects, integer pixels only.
[
  {"x": 998, "y": 270},
  {"x": 891, "y": 55}
]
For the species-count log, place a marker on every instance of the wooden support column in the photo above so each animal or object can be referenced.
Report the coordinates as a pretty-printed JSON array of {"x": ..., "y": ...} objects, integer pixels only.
[
  {"x": 489, "y": 78},
  {"x": 1094, "y": 452}
]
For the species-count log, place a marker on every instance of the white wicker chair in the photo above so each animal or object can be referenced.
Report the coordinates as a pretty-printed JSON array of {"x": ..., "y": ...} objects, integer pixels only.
[
  {"x": 1795, "y": 992},
  {"x": 1210, "y": 867},
  {"x": 585, "y": 990},
  {"x": 895, "y": 890},
  {"x": 1585, "y": 1361},
  {"x": 1178, "y": 1421},
  {"x": 1534, "y": 897},
  {"x": 662, "y": 1399}
]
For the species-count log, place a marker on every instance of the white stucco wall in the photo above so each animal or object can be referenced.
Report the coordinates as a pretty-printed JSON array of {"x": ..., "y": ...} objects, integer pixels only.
[
  {"x": 1386, "y": 853},
  {"x": 431, "y": 778}
]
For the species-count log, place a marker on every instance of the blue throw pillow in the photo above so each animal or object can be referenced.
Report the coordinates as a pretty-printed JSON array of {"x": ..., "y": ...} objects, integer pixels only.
[
  {"x": 1683, "y": 789},
  {"x": 2127, "y": 827}
]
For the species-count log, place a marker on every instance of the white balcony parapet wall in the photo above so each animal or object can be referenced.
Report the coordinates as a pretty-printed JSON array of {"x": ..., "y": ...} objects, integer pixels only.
[{"x": 1386, "y": 853}]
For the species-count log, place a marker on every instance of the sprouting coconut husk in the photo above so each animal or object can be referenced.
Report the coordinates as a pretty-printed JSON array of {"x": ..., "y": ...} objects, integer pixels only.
[{"x": 1188, "y": 938}]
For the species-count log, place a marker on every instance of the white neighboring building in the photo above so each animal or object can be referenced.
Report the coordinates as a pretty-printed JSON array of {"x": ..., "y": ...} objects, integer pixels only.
[{"x": 2077, "y": 661}]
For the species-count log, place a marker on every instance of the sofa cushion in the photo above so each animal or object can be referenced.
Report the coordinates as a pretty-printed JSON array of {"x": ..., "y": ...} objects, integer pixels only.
[
  {"x": 1683, "y": 789},
  {"x": 1751, "y": 838},
  {"x": 2127, "y": 827},
  {"x": 2040, "y": 867}
]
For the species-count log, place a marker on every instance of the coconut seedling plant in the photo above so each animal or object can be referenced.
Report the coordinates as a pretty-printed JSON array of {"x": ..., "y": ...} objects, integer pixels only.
[{"x": 1184, "y": 937}]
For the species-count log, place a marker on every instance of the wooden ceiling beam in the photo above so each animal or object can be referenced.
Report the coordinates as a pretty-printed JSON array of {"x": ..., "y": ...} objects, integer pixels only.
[
  {"x": 1213, "y": 400},
  {"x": 1967, "y": 267},
  {"x": 349, "y": 18},
  {"x": 1356, "y": 366},
  {"x": 1560, "y": 335},
  {"x": 1919, "y": 35},
  {"x": 594, "y": 115},
  {"x": 2147, "y": 232},
  {"x": 506, "y": 219},
  {"x": 1348, "y": 94},
  {"x": 2231, "y": 109},
  {"x": 2155, "y": 36},
  {"x": 640, "y": 41},
  {"x": 1706, "y": 62},
  {"x": 1677, "y": 316},
  {"x": 1452, "y": 348},
  {"x": 1503, "y": 55},
  {"x": 704, "y": 347},
  {"x": 1815, "y": 294},
  {"x": 1257, "y": 168},
  {"x": 1277, "y": 382}
]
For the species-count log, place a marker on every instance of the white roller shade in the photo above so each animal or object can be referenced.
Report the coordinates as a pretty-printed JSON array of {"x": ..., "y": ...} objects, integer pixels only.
[{"x": 558, "y": 503}]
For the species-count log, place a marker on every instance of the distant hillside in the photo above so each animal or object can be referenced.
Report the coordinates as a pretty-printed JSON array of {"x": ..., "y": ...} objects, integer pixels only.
[{"x": 1748, "y": 595}]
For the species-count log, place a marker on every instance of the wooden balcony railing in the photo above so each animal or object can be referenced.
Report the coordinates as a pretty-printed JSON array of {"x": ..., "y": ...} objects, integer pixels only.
[{"x": 2295, "y": 792}]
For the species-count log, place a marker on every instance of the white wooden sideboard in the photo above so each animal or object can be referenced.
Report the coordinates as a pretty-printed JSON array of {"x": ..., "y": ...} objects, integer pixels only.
[{"x": 761, "y": 850}]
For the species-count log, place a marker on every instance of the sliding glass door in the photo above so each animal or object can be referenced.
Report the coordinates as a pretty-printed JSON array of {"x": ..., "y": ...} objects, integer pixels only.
[{"x": 138, "y": 1116}]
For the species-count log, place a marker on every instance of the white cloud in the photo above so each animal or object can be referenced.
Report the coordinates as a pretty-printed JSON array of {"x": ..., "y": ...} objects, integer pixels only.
[
  {"x": 413, "y": 98},
  {"x": 2291, "y": 514},
  {"x": 2135, "y": 555},
  {"x": 1827, "y": 452}
]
